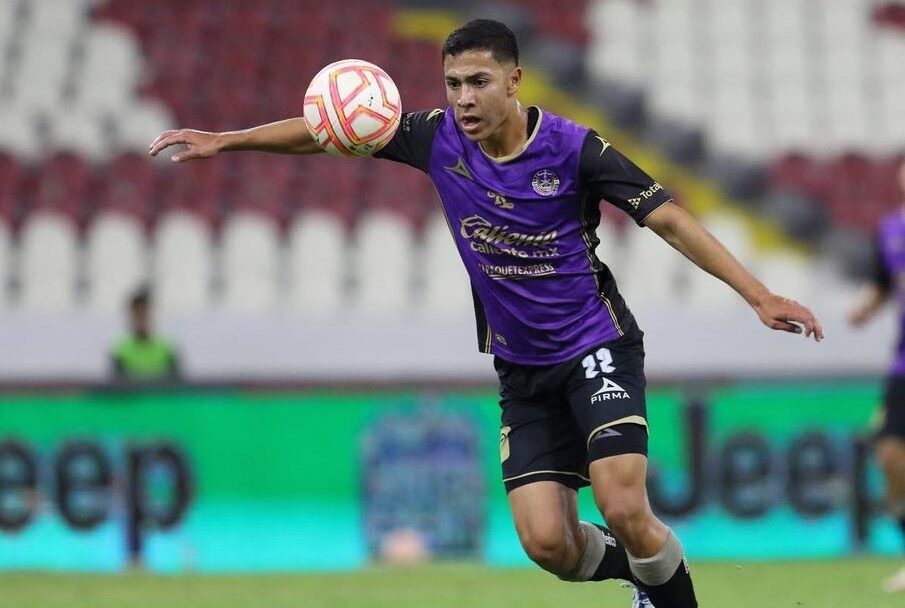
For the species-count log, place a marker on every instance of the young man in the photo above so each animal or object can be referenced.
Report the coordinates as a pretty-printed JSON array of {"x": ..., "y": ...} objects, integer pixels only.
[
  {"x": 142, "y": 356},
  {"x": 887, "y": 281},
  {"x": 520, "y": 189}
]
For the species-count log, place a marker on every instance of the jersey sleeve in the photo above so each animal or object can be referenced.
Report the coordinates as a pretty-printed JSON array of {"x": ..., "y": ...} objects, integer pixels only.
[
  {"x": 879, "y": 271},
  {"x": 412, "y": 142},
  {"x": 608, "y": 175}
]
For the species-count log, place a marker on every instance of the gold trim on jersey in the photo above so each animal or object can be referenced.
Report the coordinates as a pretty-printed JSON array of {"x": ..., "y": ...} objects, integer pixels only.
[
  {"x": 520, "y": 151},
  {"x": 585, "y": 232},
  {"x": 627, "y": 420},
  {"x": 542, "y": 472}
]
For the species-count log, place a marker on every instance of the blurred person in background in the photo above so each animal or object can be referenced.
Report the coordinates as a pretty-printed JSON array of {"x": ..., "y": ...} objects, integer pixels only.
[
  {"x": 888, "y": 282},
  {"x": 141, "y": 355},
  {"x": 568, "y": 352}
]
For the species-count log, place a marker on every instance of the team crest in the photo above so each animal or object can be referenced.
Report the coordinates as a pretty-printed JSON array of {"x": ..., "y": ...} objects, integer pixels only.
[{"x": 545, "y": 182}]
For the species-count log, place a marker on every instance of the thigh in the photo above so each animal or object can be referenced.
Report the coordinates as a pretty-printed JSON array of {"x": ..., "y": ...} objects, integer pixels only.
[
  {"x": 606, "y": 394},
  {"x": 620, "y": 481},
  {"x": 539, "y": 439},
  {"x": 544, "y": 510}
]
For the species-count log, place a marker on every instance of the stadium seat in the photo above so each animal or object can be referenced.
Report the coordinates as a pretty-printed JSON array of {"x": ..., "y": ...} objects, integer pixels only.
[
  {"x": 62, "y": 185},
  {"x": 318, "y": 264},
  {"x": 445, "y": 286},
  {"x": 138, "y": 123},
  {"x": 111, "y": 68},
  {"x": 20, "y": 132},
  {"x": 116, "y": 260},
  {"x": 182, "y": 263},
  {"x": 48, "y": 268},
  {"x": 80, "y": 130},
  {"x": 250, "y": 254},
  {"x": 383, "y": 263}
]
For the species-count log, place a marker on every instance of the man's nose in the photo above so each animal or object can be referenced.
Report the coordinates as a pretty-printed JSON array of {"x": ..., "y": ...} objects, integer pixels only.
[{"x": 466, "y": 97}]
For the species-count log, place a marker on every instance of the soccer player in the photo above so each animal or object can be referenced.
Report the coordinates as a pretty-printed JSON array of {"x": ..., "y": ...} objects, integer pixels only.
[
  {"x": 887, "y": 280},
  {"x": 520, "y": 189}
]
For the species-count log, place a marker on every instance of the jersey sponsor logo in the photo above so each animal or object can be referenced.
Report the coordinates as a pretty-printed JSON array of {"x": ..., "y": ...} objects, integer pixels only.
[
  {"x": 545, "y": 182},
  {"x": 646, "y": 194},
  {"x": 499, "y": 200},
  {"x": 514, "y": 272},
  {"x": 476, "y": 227},
  {"x": 604, "y": 143},
  {"x": 460, "y": 169},
  {"x": 609, "y": 391},
  {"x": 634, "y": 202}
]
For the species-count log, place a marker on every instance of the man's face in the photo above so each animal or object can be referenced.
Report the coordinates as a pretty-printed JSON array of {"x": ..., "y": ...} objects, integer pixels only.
[
  {"x": 141, "y": 320},
  {"x": 480, "y": 90}
]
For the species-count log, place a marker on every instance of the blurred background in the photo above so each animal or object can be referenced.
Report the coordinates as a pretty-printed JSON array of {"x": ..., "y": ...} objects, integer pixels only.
[{"x": 315, "y": 399}]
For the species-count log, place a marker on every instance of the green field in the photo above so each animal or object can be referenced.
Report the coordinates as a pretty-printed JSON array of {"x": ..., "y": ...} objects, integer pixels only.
[{"x": 827, "y": 584}]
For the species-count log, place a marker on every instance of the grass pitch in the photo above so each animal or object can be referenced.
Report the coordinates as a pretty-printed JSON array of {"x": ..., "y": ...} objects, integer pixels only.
[{"x": 851, "y": 583}]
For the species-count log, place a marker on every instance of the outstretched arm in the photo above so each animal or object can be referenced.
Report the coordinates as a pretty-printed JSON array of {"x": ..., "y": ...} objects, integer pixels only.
[
  {"x": 875, "y": 295},
  {"x": 288, "y": 136},
  {"x": 686, "y": 235},
  {"x": 877, "y": 291}
]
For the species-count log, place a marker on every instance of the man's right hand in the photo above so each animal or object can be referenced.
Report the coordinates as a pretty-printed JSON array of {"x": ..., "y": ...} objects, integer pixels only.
[{"x": 199, "y": 144}]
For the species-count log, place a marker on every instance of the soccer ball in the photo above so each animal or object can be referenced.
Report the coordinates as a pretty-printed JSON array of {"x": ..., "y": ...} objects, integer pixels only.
[{"x": 352, "y": 108}]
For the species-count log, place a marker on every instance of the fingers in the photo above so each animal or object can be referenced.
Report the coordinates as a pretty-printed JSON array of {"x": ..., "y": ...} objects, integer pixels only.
[
  {"x": 792, "y": 328},
  {"x": 163, "y": 141},
  {"x": 801, "y": 320},
  {"x": 811, "y": 325},
  {"x": 174, "y": 138}
]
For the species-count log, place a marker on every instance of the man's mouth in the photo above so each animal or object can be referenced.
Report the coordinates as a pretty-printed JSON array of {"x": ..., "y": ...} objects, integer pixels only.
[{"x": 469, "y": 123}]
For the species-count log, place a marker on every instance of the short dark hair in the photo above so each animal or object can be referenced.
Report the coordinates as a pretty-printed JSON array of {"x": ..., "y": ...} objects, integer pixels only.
[
  {"x": 140, "y": 297},
  {"x": 486, "y": 35}
]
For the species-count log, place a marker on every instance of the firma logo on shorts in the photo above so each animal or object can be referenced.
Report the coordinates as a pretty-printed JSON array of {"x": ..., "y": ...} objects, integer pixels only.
[{"x": 610, "y": 390}]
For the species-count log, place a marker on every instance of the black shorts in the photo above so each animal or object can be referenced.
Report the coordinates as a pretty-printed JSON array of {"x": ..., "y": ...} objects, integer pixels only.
[
  {"x": 893, "y": 416},
  {"x": 551, "y": 413}
]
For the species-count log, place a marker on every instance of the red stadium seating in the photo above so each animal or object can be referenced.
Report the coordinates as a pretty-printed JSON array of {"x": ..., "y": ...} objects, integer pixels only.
[
  {"x": 11, "y": 185},
  {"x": 63, "y": 185},
  {"x": 127, "y": 186}
]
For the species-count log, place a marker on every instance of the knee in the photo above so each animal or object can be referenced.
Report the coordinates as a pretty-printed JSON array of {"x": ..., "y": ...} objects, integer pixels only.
[
  {"x": 627, "y": 518},
  {"x": 546, "y": 546}
]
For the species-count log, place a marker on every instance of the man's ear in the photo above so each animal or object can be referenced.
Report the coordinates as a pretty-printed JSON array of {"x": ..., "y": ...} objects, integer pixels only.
[{"x": 515, "y": 81}]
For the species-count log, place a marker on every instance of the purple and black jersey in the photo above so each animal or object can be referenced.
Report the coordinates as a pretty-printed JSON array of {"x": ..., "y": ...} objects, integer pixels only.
[
  {"x": 525, "y": 227},
  {"x": 889, "y": 273}
]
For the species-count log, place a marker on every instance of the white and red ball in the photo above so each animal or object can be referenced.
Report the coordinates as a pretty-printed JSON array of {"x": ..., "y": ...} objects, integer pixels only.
[{"x": 352, "y": 108}]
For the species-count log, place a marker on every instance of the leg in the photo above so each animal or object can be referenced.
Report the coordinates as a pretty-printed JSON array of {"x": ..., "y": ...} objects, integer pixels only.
[
  {"x": 620, "y": 492},
  {"x": 655, "y": 557},
  {"x": 890, "y": 452},
  {"x": 546, "y": 519}
]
